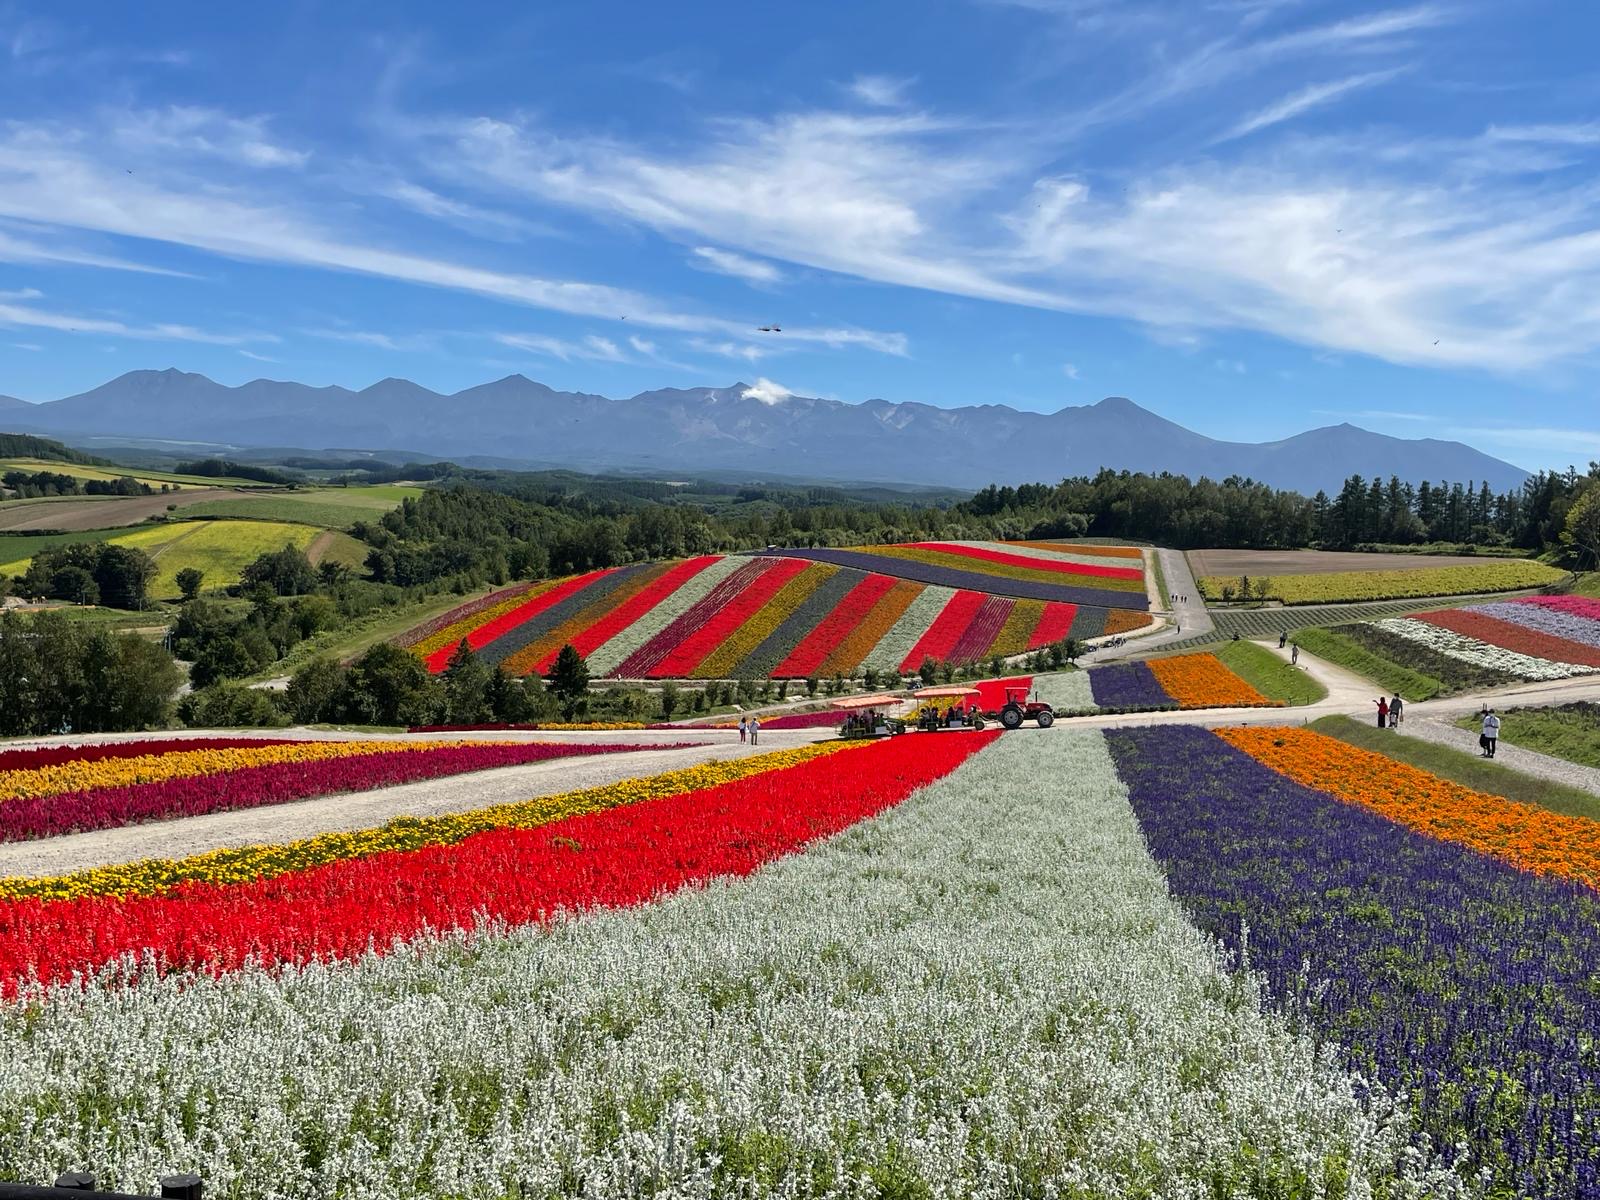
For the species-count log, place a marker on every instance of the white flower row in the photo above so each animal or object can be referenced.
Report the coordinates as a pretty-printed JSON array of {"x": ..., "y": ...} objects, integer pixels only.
[
  {"x": 987, "y": 992},
  {"x": 1483, "y": 654},
  {"x": 697, "y": 587},
  {"x": 893, "y": 646},
  {"x": 1065, "y": 691}
]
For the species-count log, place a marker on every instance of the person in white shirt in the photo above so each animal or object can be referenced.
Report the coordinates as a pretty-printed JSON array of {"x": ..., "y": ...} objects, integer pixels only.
[
  {"x": 755, "y": 730},
  {"x": 1491, "y": 732}
]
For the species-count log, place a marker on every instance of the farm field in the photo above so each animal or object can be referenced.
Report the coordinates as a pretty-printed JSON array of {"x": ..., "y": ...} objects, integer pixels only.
[
  {"x": 1269, "y": 674},
  {"x": 759, "y": 616},
  {"x": 332, "y": 508},
  {"x": 1272, "y": 563},
  {"x": 998, "y": 1018},
  {"x": 219, "y": 548},
  {"x": 1491, "y": 575},
  {"x": 154, "y": 478}
]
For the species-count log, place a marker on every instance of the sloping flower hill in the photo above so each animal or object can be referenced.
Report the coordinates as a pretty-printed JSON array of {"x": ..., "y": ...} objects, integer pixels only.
[
  {"x": 1534, "y": 637},
  {"x": 1167, "y": 961},
  {"x": 794, "y": 613}
]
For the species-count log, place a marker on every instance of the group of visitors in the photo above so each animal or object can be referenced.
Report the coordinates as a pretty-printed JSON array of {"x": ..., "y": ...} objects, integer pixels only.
[
  {"x": 1175, "y": 598},
  {"x": 750, "y": 731},
  {"x": 1391, "y": 712}
]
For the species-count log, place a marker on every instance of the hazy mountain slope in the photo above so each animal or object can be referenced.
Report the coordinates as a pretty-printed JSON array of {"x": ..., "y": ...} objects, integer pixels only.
[{"x": 728, "y": 429}]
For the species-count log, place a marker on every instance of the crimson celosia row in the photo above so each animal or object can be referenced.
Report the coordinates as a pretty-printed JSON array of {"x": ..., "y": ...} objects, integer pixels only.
[
  {"x": 618, "y": 857},
  {"x": 27, "y": 818},
  {"x": 50, "y": 756}
]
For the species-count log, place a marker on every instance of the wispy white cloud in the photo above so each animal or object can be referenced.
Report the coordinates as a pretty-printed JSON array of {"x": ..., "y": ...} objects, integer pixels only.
[
  {"x": 259, "y": 357},
  {"x": 361, "y": 337},
  {"x": 31, "y": 250},
  {"x": 205, "y": 132},
  {"x": 1558, "y": 135},
  {"x": 641, "y": 345},
  {"x": 1304, "y": 100},
  {"x": 881, "y": 91},
  {"x": 1070, "y": 371},
  {"x": 591, "y": 347},
  {"x": 739, "y": 350},
  {"x": 726, "y": 262},
  {"x": 1375, "y": 414},
  {"x": 34, "y": 346},
  {"x": 30, "y": 316}
]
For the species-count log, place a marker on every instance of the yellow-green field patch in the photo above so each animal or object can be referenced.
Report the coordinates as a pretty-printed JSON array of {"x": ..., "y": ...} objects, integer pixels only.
[
  {"x": 1330, "y": 587},
  {"x": 154, "y": 478}
]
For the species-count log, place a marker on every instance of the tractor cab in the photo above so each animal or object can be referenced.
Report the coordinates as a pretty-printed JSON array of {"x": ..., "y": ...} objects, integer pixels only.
[{"x": 1018, "y": 708}]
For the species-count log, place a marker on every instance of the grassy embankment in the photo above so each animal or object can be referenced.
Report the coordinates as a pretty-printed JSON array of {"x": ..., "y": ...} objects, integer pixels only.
[
  {"x": 1390, "y": 676},
  {"x": 1463, "y": 767},
  {"x": 1270, "y": 675},
  {"x": 1569, "y": 731}
]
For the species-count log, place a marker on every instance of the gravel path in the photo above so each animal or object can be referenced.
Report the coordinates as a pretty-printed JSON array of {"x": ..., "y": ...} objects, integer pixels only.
[
  {"x": 1530, "y": 762},
  {"x": 356, "y": 810}
]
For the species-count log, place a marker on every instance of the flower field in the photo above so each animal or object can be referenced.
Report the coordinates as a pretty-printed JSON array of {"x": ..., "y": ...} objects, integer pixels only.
[
  {"x": 999, "y": 997},
  {"x": 797, "y": 613},
  {"x": 1329, "y": 587},
  {"x": 1182, "y": 681},
  {"x": 1530, "y": 638},
  {"x": 58, "y": 792}
]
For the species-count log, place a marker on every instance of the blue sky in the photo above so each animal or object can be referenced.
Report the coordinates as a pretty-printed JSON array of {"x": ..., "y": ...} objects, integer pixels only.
[{"x": 1251, "y": 216}]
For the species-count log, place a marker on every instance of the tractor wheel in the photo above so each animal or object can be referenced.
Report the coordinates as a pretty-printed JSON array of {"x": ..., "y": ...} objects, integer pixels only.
[
  {"x": 977, "y": 722},
  {"x": 1011, "y": 717},
  {"x": 1045, "y": 720}
]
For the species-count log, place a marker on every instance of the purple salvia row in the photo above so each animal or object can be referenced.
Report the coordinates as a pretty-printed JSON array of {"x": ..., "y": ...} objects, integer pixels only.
[
  {"x": 1450, "y": 977},
  {"x": 1128, "y": 686}
]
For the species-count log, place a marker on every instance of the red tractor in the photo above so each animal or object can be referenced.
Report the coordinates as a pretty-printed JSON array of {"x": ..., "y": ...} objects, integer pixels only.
[{"x": 1018, "y": 708}]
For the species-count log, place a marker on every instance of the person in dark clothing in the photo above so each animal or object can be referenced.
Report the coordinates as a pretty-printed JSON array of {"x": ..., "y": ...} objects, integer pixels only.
[{"x": 1383, "y": 712}]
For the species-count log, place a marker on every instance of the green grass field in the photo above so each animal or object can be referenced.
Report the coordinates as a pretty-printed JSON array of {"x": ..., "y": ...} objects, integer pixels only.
[
  {"x": 219, "y": 548},
  {"x": 1569, "y": 731},
  {"x": 330, "y": 508},
  {"x": 154, "y": 478},
  {"x": 1390, "y": 676},
  {"x": 17, "y": 548},
  {"x": 1269, "y": 674},
  {"x": 1463, "y": 767}
]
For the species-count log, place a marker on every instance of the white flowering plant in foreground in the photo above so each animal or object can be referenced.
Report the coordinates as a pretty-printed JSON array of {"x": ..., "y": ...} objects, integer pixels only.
[
  {"x": 1066, "y": 691},
  {"x": 987, "y": 992},
  {"x": 1483, "y": 654}
]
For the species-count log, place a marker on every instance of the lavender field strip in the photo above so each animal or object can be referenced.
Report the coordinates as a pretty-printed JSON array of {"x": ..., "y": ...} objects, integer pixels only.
[
  {"x": 1129, "y": 686},
  {"x": 825, "y": 596},
  {"x": 530, "y": 631},
  {"x": 1447, "y": 975}
]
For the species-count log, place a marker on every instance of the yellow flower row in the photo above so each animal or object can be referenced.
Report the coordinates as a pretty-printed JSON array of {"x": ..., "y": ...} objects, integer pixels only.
[
  {"x": 179, "y": 764},
  {"x": 248, "y": 863},
  {"x": 1015, "y": 633}
]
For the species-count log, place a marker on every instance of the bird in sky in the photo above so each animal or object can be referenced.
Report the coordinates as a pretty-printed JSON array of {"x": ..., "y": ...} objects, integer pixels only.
[{"x": 770, "y": 328}]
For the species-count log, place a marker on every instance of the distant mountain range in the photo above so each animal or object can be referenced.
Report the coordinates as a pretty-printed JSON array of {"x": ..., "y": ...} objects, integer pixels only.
[{"x": 736, "y": 428}]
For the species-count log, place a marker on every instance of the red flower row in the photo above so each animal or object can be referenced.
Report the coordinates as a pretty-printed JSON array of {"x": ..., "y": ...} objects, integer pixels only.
[
  {"x": 1054, "y": 625},
  {"x": 1509, "y": 636},
  {"x": 1060, "y": 567},
  {"x": 618, "y": 857},
  {"x": 460, "y": 612},
  {"x": 32, "y": 817},
  {"x": 941, "y": 636},
  {"x": 826, "y": 635},
  {"x": 625, "y": 614},
  {"x": 688, "y": 654},
  {"x": 50, "y": 756},
  {"x": 486, "y": 633}
]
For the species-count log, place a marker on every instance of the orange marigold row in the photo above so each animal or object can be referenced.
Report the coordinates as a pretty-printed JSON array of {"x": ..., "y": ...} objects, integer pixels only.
[
  {"x": 1202, "y": 681},
  {"x": 1533, "y": 838}
]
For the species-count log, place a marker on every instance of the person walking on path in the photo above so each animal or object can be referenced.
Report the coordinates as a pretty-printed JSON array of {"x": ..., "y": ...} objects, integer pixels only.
[
  {"x": 1383, "y": 713},
  {"x": 1294, "y": 655},
  {"x": 1491, "y": 732},
  {"x": 1397, "y": 711},
  {"x": 755, "y": 730},
  {"x": 742, "y": 734}
]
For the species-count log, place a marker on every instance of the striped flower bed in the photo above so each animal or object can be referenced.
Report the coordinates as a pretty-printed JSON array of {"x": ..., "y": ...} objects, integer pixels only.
[
  {"x": 787, "y": 615},
  {"x": 1182, "y": 681},
  {"x": 1445, "y": 634},
  {"x": 1440, "y": 940},
  {"x": 859, "y": 1015}
]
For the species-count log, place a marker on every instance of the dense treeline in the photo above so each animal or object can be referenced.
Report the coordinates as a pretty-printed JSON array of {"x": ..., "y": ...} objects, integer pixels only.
[
  {"x": 1172, "y": 510},
  {"x": 57, "y": 676},
  {"x": 90, "y": 573},
  {"x": 26, "y": 445},
  {"x": 28, "y": 485},
  {"x": 222, "y": 468}
]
